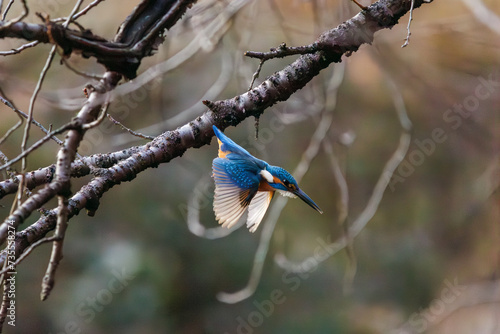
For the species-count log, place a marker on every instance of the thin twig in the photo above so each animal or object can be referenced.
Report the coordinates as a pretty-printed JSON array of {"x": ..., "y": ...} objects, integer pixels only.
[
  {"x": 17, "y": 19},
  {"x": 7, "y": 8},
  {"x": 256, "y": 74},
  {"x": 359, "y": 5},
  {"x": 39, "y": 143},
  {"x": 80, "y": 13},
  {"x": 343, "y": 203},
  {"x": 86, "y": 9},
  {"x": 21, "y": 114},
  {"x": 282, "y": 51},
  {"x": 73, "y": 12},
  {"x": 27, "y": 252},
  {"x": 19, "y": 49},
  {"x": 12, "y": 129},
  {"x": 57, "y": 246},
  {"x": 132, "y": 132},
  {"x": 407, "y": 40},
  {"x": 33, "y": 99}
]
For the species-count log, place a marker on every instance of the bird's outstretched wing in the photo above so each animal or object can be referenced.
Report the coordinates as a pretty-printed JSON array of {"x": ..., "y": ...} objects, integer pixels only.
[
  {"x": 235, "y": 187},
  {"x": 257, "y": 209}
]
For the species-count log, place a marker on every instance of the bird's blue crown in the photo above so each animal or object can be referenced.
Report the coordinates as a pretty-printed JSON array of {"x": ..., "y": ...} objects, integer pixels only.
[{"x": 286, "y": 179}]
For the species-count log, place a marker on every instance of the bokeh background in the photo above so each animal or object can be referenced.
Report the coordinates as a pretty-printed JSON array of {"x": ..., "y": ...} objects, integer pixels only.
[{"x": 428, "y": 259}]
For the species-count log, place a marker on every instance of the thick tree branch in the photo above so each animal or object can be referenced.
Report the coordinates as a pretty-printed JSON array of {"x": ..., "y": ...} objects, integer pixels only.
[
  {"x": 137, "y": 37},
  {"x": 79, "y": 168},
  {"x": 327, "y": 49}
]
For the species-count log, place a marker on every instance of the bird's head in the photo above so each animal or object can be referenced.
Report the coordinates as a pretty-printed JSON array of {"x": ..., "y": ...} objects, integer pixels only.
[{"x": 283, "y": 182}]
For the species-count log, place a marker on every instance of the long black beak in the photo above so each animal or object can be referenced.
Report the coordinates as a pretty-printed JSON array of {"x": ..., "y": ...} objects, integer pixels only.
[{"x": 303, "y": 196}]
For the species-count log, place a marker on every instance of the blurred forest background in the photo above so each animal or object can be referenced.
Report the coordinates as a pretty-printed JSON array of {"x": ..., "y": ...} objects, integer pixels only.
[{"x": 427, "y": 261}]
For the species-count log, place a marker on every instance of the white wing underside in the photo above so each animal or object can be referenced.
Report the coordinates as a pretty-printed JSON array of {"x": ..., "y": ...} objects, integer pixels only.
[
  {"x": 229, "y": 206},
  {"x": 230, "y": 202},
  {"x": 257, "y": 209}
]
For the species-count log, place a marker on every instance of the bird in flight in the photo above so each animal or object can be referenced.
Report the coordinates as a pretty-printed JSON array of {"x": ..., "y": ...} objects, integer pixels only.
[{"x": 243, "y": 181}]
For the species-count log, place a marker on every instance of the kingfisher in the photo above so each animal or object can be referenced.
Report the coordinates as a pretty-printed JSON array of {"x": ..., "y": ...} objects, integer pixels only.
[{"x": 243, "y": 181}]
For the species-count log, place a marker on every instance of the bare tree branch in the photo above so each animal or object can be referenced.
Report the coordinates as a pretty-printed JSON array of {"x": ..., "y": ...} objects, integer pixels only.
[{"x": 137, "y": 38}]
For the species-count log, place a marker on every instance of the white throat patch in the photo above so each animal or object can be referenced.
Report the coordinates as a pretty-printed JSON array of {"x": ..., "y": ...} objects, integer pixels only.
[
  {"x": 267, "y": 176},
  {"x": 287, "y": 194}
]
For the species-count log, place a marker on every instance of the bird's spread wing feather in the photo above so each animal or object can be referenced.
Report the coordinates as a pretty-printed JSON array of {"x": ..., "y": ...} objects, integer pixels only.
[
  {"x": 257, "y": 209},
  {"x": 233, "y": 193}
]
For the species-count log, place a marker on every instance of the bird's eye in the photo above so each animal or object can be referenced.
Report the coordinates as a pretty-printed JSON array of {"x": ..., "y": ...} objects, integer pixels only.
[{"x": 289, "y": 185}]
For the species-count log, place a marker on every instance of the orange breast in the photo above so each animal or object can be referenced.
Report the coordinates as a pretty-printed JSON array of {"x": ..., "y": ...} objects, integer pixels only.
[{"x": 264, "y": 186}]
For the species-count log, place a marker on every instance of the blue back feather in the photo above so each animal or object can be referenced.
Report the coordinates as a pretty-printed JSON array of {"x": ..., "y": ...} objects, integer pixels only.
[
  {"x": 237, "y": 152},
  {"x": 245, "y": 176}
]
